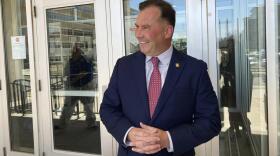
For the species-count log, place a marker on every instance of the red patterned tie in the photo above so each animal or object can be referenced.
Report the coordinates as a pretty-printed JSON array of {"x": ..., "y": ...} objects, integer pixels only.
[{"x": 154, "y": 86}]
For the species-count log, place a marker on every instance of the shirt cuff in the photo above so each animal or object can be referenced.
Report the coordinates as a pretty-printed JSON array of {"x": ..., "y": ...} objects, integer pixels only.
[
  {"x": 170, "y": 148},
  {"x": 125, "y": 141}
]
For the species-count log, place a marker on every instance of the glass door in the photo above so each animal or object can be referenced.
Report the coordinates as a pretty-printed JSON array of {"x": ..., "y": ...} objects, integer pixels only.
[
  {"x": 73, "y": 78},
  {"x": 18, "y": 91},
  {"x": 242, "y": 75}
]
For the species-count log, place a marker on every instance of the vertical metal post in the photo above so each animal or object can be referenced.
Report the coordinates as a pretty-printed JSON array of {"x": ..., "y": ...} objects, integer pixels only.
[{"x": 272, "y": 76}]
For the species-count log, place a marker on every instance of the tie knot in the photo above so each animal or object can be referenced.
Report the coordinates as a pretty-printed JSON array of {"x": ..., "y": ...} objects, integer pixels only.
[{"x": 155, "y": 61}]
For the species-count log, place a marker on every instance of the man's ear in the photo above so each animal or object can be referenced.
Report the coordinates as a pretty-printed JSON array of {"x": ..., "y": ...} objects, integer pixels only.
[{"x": 169, "y": 31}]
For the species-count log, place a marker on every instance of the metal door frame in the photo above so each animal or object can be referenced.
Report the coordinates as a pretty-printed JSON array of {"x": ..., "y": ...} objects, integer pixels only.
[
  {"x": 3, "y": 93},
  {"x": 46, "y": 142},
  {"x": 272, "y": 76}
]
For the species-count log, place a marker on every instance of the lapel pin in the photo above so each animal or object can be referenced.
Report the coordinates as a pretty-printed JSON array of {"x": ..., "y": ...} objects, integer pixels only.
[{"x": 177, "y": 65}]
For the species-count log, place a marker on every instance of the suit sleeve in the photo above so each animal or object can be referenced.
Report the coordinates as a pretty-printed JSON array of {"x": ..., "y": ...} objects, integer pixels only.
[
  {"x": 206, "y": 118},
  {"x": 111, "y": 110}
]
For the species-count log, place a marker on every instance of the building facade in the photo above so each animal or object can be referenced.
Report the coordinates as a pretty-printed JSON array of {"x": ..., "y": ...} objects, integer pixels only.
[{"x": 238, "y": 39}]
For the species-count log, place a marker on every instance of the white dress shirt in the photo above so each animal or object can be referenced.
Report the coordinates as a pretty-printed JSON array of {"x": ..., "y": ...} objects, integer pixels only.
[{"x": 164, "y": 61}]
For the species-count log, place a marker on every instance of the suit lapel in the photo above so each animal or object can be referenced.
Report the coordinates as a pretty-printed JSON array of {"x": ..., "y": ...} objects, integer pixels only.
[
  {"x": 174, "y": 71},
  {"x": 140, "y": 79}
]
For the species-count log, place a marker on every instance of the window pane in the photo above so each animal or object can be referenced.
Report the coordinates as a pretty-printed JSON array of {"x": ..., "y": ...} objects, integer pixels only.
[
  {"x": 130, "y": 13},
  {"x": 74, "y": 78},
  {"x": 18, "y": 75},
  {"x": 242, "y": 77}
]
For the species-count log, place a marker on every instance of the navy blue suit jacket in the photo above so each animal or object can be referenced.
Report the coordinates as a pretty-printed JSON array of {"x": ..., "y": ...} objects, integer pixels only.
[{"x": 187, "y": 106}]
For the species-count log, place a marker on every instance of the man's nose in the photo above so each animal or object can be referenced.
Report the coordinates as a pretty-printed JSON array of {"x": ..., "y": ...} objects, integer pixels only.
[{"x": 138, "y": 33}]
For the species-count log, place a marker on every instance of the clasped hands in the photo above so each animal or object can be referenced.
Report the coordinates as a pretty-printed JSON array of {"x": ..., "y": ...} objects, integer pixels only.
[{"x": 147, "y": 139}]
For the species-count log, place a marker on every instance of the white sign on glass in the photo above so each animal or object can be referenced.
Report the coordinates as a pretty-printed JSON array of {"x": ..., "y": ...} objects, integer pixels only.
[{"x": 18, "y": 47}]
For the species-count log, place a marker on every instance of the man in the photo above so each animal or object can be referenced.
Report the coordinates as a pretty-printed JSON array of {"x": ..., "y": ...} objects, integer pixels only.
[
  {"x": 79, "y": 76},
  {"x": 159, "y": 101}
]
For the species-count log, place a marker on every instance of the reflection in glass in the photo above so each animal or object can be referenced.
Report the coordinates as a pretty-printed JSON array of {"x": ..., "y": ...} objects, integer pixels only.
[
  {"x": 242, "y": 77},
  {"x": 130, "y": 13},
  {"x": 73, "y": 78},
  {"x": 18, "y": 75}
]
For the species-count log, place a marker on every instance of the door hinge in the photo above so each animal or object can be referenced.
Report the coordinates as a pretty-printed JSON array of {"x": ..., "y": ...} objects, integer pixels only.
[
  {"x": 39, "y": 85},
  {"x": 44, "y": 154},
  {"x": 4, "y": 151},
  {"x": 35, "y": 11}
]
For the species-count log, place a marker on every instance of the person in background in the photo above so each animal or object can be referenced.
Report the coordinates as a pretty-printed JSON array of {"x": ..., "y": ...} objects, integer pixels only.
[{"x": 78, "y": 74}]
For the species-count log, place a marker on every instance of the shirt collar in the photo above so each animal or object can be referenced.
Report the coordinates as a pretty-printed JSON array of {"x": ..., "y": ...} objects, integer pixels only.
[{"x": 164, "y": 57}]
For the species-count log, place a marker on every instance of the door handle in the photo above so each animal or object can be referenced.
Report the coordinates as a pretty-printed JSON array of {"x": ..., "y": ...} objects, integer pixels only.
[{"x": 39, "y": 85}]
